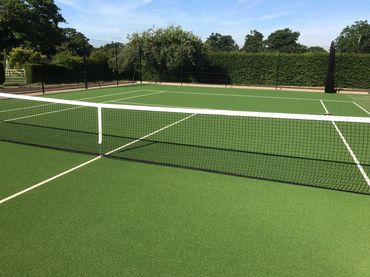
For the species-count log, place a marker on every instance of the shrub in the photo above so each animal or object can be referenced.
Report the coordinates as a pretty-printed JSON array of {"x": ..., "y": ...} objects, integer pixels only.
[
  {"x": 20, "y": 56},
  {"x": 68, "y": 60}
]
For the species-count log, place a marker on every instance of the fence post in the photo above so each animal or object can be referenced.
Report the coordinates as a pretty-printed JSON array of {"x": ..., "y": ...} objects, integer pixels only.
[
  {"x": 182, "y": 74},
  {"x": 43, "y": 86},
  {"x": 116, "y": 53},
  {"x": 277, "y": 71},
  {"x": 140, "y": 65},
  {"x": 85, "y": 66}
]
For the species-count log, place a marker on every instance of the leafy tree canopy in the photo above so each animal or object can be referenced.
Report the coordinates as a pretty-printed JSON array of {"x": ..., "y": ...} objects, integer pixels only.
[
  {"x": 284, "y": 40},
  {"x": 163, "y": 50},
  {"x": 106, "y": 53},
  {"x": 67, "y": 60},
  {"x": 254, "y": 42},
  {"x": 75, "y": 42},
  {"x": 316, "y": 49},
  {"x": 30, "y": 23},
  {"x": 355, "y": 38},
  {"x": 218, "y": 42},
  {"x": 20, "y": 56}
]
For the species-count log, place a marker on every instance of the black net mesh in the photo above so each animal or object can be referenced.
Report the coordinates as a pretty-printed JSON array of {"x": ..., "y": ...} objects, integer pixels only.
[{"x": 325, "y": 154}]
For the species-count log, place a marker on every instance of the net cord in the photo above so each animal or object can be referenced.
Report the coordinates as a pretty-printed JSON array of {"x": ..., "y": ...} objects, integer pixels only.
[{"x": 327, "y": 118}]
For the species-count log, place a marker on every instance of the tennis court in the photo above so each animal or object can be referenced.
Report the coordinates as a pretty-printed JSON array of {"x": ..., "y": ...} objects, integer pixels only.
[{"x": 211, "y": 181}]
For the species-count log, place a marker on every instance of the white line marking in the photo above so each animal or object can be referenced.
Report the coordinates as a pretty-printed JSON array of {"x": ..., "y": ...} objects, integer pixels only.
[
  {"x": 159, "y": 105},
  {"x": 112, "y": 94},
  {"x": 40, "y": 114},
  {"x": 364, "y": 97},
  {"x": 91, "y": 161},
  {"x": 48, "y": 180},
  {"x": 322, "y": 103},
  {"x": 357, "y": 162},
  {"x": 132, "y": 97},
  {"x": 250, "y": 96},
  {"x": 149, "y": 135},
  {"x": 74, "y": 108},
  {"x": 25, "y": 108},
  {"x": 361, "y": 108},
  {"x": 79, "y": 99}
]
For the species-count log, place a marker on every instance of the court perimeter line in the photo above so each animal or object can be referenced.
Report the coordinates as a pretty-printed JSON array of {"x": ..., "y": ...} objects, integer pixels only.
[
  {"x": 250, "y": 96},
  {"x": 91, "y": 161},
  {"x": 132, "y": 97},
  {"x": 361, "y": 108},
  {"x": 157, "y": 105},
  {"x": 79, "y": 99},
  {"x": 75, "y": 108},
  {"x": 357, "y": 162},
  {"x": 112, "y": 94}
]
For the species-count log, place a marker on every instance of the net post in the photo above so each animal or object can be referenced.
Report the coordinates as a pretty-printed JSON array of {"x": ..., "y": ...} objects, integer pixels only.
[{"x": 100, "y": 128}]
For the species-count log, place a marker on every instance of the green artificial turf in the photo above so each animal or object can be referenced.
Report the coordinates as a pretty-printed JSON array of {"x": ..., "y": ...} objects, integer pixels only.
[
  {"x": 232, "y": 145},
  {"x": 123, "y": 218},
  {"x": 23, "y": 166}
]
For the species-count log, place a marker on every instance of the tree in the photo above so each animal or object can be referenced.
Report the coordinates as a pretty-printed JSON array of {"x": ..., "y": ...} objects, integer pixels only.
[
  {"x": 106, "y": 53},
  {"x": 128, "y": 55},
  {"x": 75, "y": 42},
  {"x": 67, "y": 60},
  {"x": 218, "y": 42},
  {"x": 284, "y": 40},
  {"x": 355, "y": 38},
  {"x": 253, "y": 42},
  {"x": 20, "y": 56},
  {"x": 316, "y": 49},
  {"x": 30, "y": 23},
  {"x": 163, "y": 50}
]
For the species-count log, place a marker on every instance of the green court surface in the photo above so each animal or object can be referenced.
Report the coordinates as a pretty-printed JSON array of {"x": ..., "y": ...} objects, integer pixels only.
[{"x": 86, "y": 215}]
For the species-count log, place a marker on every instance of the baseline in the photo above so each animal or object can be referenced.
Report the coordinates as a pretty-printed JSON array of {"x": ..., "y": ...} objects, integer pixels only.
[{"x": 249, "y": 96}]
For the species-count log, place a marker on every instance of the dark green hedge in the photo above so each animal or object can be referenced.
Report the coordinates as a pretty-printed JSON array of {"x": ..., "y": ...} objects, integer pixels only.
[
  {"x": 353, "y": 71},
  {"x": 308, "y": 69},
  {"x": 266, "y": 68},
  {"x": 2, "y": 74},
  {"x": 51, "y": 74},
  {"x": 54, "y": 74}
]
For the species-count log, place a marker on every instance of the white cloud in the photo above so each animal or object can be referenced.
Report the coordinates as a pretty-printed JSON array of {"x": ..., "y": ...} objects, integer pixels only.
[{"x": 115, "y": 19}]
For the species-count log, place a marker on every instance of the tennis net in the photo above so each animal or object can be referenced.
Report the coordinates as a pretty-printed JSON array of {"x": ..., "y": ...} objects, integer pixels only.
[{"x": 321, "y": 151}]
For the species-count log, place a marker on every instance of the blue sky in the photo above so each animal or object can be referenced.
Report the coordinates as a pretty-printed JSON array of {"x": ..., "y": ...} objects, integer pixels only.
[{"x": 318, "y": 21}]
